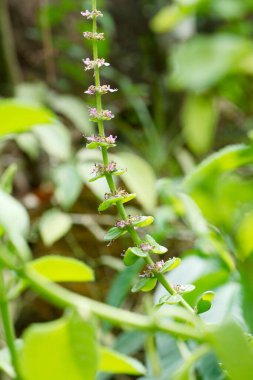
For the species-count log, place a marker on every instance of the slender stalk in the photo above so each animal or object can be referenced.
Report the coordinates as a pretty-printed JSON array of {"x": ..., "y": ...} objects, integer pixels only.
[
  {"x": 121, "y": 209},
  {"x": 8, "y": 327}
]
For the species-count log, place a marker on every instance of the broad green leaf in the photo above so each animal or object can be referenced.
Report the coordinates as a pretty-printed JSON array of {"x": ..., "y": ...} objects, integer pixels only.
[
  {"x": 204, "y": 303},
  {"x": 144, "y": 284},
  {"x": 199, "y": 119},
  {"x": 230, "y": 345},
  {"x": 55, "y": 140},
  {"x": 62, "y": 269},
  {"x": 115, "y": 362},
  {"x": 114, "y": 200},
  {"x": 68, "y": 184},
  {"x": 17, "y": 117},
  {"x": 114, "y": 233},
  {"x": 62, "y": 349},
  {"x": 7, "y": 178},
  {"x": 201, "y": 62},
  {"x": 28, "y": 143},
  {"x": 53, "y": 225}
]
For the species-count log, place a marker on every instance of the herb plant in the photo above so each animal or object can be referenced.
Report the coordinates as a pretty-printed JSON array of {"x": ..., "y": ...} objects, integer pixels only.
[{"x": 73, "y": 347}]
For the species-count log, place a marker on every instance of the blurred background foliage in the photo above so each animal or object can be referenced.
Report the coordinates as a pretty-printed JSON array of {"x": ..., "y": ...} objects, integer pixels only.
[{"x": 184, "y": 119}]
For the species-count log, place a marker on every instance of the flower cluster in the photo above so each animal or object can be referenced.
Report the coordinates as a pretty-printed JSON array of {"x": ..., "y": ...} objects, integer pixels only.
[
  {"x": 94, "y": 36},
  {"x": 92, "y": 90},
  {"x": 92, "y": 64},
  {"x": 95, "y": 115},
  {"x": 152, "y": 269},
  {"x": 127, "y": 222},
  {"x": 91, "y": 15},
  {"x": 108, "y": 140},
  {"x": 146, "y": 247},
  {"x": 102, "y": 169},
  {"x": 117, "y": 194}
]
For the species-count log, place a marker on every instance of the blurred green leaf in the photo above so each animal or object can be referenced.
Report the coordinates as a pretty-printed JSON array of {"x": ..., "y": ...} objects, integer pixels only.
[
  {"x": 55, "y": 140},
  {"x": 139, "y": 178},
  {"x": 243, "y": 235},
  {"x": 115, "y": 362},
  {"x": 230, "y": 345},
  {"x": 68, "y": 184},
  {"x": 144, "y": 284},
  {"x": 73, "y": 108},
  {"x": 54, "y": 350},
  {"x": 62, "y": 269},
  {"x": 17, "y": 117},
  {"x": 203, "y": 61},
  {"x": 168, "y": 17},
  {"x": 199, "y": 119},
  {"x": 53, "y": 225}
]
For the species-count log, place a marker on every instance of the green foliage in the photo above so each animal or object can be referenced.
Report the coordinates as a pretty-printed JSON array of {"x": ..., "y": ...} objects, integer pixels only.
[
  {"x": 61, "y": 269},
  {"x": 53, "y": 225},
  {"x": 57, "y": 349},
  {"x": 18, "y": 117}
]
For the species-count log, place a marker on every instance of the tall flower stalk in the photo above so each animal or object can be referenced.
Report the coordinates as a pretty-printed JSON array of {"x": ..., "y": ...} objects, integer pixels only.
[{"x": 143, "y": 249}]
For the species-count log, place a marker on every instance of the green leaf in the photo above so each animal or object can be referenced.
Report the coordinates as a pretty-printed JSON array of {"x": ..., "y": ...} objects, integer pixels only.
[
  {"x": 230, "y": 345},
  {"x": 244, "y": 235},
  {"x": 114, "y": 200},
  {"x": 68, "y": 185},
  {"x": 115, "y": 362},
  {"x": 53, "y": 225},
  {"x": 143, "y": 221},
  {"x": 157, "y": 248},
  {"x": 204, "y": 303},
  {"x": 7, "y": 178},
  {"x": 170, "y": 299},
  {"x": 201, "y": 62},
  {"x": 144, "y": 284},
  {"x": 13, "y": 216},
  {"x": 114, "y": 233},
  {"x": 132, "y": 254},
  {"x": 139, "y": 178},
  {"x": 17, "y": 117},
  {"x": 168, "y": 17},
  {"x": 62, "y": 269},
  {"x": 95, "y": 145},
  {"x": 55, "y": 140},
  {"x": 73, "y": 108},
  {"x": 199, "y": 119},
  {"x": 65, "y": 348},
  {"x": 170, "y": 265}
]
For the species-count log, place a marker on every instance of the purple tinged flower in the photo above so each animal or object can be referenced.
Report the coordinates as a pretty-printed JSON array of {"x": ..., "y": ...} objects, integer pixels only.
[
  {"x": 94, "y": 36},
  {"x": 146, "y": 247},
  {"x": 90, "y": 64},
  {"x": 100, "y": 89},
  {"x": 92, "y": 14},
  {"x": 120, "y": 224},
  {"x": 111, "y": 139},
  {"x": 93, "y": 112},
  {"x": 112, "y": 166}
]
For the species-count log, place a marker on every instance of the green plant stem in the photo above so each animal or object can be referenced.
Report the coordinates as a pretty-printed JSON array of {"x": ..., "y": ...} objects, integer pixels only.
[
  {"x": 121, "y": 209},
  {"x": 8, "y": 326},
  {"x": 153, "y": 355},
  {"x": 64, "y": 298}
]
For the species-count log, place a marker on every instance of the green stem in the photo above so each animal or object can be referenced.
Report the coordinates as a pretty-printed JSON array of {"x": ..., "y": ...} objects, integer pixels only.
[
  {"x": 8, "y": 326},
  {"x": 64, "y": 298},
  {"x": 121, "y": 209}
]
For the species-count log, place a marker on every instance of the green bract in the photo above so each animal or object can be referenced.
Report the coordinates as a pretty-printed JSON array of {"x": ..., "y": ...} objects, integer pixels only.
[
  {"x": 170, "y": 264},
  {"x": 116, "y": 172},
  {"x": 204, "y": 302},
  {"x": 132, "y": 255},
  {"x": 114, "y": 200},
  {"x": 156, "y": 248},
  {"x": 114, "y": 233},
  {"x": 95, "y": 145},
  {"x": 144, "y": 284}
]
